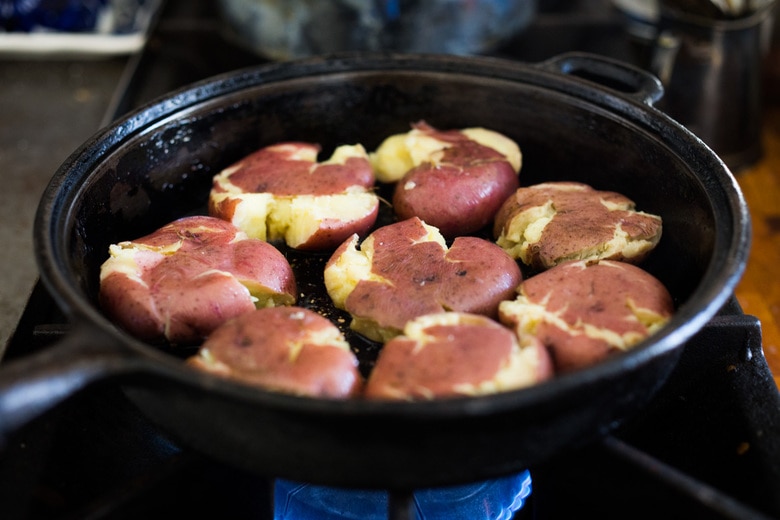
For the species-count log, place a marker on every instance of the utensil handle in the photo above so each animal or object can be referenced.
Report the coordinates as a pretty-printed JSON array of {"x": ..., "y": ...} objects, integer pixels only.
[
  {"x": 32, "y": 385},
  {"x": 618, "y": 76}
]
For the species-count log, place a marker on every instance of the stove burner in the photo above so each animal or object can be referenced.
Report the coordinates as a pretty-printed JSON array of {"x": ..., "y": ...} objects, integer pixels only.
[{"x": 496, "y": 499}]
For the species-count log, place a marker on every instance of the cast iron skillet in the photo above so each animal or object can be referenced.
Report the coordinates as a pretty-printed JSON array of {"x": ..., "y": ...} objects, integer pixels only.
[{"x": 156, "y": 165}]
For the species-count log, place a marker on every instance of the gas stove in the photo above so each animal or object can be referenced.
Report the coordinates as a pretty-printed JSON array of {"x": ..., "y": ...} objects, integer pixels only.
[{"x": 707, "y": 446}]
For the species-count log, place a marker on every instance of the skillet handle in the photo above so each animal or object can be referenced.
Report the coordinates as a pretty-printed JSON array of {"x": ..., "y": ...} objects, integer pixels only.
[
  {"x": 624, "y": 78},
  {"x": 32, "y": 385}
]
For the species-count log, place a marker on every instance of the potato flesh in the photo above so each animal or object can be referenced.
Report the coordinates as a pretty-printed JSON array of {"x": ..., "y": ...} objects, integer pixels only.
[
  {"x": 251, "y": 213},
  {"x": 499, "y": 142},
  {"x": 400, "y": 153},
  {"x": 312, "y": 214},
  {"x": 127, "y": 261},
  {"x": 351, "y": 266},
  {"x": 525, "y": 229},
  {"x": 295, "y": 219}
]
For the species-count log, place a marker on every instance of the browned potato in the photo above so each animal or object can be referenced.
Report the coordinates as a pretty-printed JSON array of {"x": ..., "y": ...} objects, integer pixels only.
[
  {"x": 404, "y": 270},
  {"x": 554, "y": 222},
  {"x": 281, "y": 192},
  {"x": 284, "y": 349},
  {"x": 454, "y": 180},
  {"x": 584, "y": 311},
  {"x": 456, "y": 354},
  {"x": 185, "y": 279}
]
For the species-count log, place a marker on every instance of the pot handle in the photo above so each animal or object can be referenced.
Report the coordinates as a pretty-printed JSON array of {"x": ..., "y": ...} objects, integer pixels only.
[
  {"x": 624, "y": 78},
  {"x": 32, "y": 385}
]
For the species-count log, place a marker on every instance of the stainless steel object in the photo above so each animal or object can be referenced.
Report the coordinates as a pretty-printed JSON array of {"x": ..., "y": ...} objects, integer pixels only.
[
  {"x": 711, "y": 70},
  {"x": 287, "y": 29}
]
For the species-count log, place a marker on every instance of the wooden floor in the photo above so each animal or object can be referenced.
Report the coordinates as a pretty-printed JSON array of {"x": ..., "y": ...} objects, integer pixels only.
[{"x": 759, "y": 291}]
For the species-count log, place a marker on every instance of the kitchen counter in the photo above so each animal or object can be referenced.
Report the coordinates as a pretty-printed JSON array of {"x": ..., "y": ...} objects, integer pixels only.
[
  {"x": 48, "y": 107},
  {"x": 759, "y": 291}
]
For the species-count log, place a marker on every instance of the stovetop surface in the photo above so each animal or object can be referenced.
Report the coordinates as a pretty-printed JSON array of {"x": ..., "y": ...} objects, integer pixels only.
[{"x": 708, "y": 445}]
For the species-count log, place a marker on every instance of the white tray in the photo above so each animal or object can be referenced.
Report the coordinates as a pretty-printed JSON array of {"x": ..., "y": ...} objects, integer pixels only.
[{"x": 105, "y": 40}]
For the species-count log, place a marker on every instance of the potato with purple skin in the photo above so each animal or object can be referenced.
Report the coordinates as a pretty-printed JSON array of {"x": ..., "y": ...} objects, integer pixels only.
[
  {"x": 281, "y": 192},
  {"x": 456, "y": 354},
  {"x": 555, "y": 222},
  {"x": 284, "y": 349},
  {"x": 583, "y": 312},
  {"x": 405, "y": 270},
  {"x": 185, "y": 279},
  {"x": 454, "y": 180}
]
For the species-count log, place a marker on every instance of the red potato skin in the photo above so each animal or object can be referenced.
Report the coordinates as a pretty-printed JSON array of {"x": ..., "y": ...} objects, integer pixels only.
[
  {"x": 275, "y": 170},
  {"x": 184, "y": 297},
  {"x": 463, "y": 193},
  {"x": 188, "y": 311},
  {"x": 473, "y": 275},
  {"x": 332, "y": 232},
  {"x": 404, "y": 369},
  {"x": 255, "y": 348},
  {"x": 470, "y": 352},
  {"x": 595, "y": 295},
  {"x": 224, "y": 209},
  {"x": 131, "y": 306}
]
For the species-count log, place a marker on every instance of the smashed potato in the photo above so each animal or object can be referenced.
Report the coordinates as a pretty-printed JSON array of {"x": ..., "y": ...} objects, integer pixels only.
[
  {"x": 281, "y": 192},
  {"x": 555, "y": 222},
  {"x": 455, "y": 180},
  {"x": 185, "y": 279},
  {"x": 456, "y": 354},
  {"x": 584, "y": 311},
  {"x": 405, "y": 270},
  {"x": 284, "y": 349}
]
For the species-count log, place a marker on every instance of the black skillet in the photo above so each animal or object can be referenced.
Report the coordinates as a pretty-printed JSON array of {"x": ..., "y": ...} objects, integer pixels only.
[{"x": 156, "y": 164}]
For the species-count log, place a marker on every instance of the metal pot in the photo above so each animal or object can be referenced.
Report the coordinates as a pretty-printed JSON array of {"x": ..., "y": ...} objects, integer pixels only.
[
  {"x": 289, "y": 29},
  {"x": 157, "y": 163}
]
